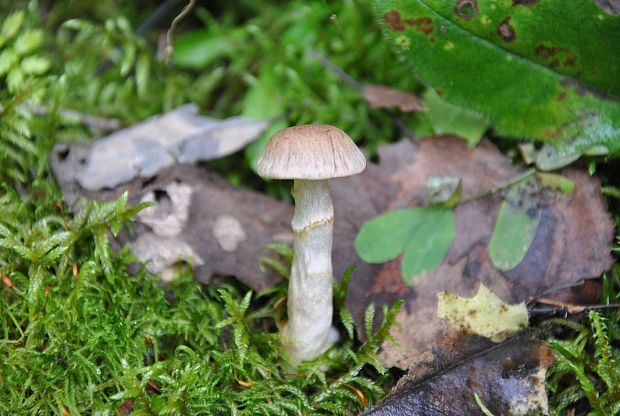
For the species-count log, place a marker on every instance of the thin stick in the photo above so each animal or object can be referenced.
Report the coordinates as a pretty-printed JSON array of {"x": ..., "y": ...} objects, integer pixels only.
[
  {"x": 175, "y": 22},
  {"x": 510, "y": 182},
  {"x": 335, "y": 69}
]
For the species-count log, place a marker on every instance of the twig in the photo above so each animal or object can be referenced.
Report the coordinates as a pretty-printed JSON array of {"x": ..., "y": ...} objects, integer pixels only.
[
  {"x": 359, "y": 87},
  {"x": 510, "y": 182},
  {"x": 175, "y": 22},
  {"x": 569, "y": 308},
  {"x": 336, "y": 70}
]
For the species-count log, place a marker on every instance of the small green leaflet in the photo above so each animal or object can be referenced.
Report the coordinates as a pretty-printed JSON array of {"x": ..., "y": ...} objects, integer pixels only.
[
  {"x": 444, "y": 118},
  {"x": 423, "y": 234},
  {"x": 513, "y": 234}
]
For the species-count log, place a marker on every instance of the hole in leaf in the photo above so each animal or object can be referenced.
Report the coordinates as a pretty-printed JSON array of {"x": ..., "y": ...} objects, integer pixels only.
[{"x": 466, "y": 9}]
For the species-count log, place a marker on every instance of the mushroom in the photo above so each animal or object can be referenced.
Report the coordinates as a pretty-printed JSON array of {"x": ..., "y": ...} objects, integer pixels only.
[{"x": 310, "y": 155}]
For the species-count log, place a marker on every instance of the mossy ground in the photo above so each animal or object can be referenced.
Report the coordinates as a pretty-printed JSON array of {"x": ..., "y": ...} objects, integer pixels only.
[{"x": 79, "y": 334}]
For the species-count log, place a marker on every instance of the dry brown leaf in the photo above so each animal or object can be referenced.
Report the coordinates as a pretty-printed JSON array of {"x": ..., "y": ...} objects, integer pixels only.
[
  {"x": 181, "y": 135},
  {"x": 379, "y": 96},
  {"x": 197, "y": 218},
  {"x": 509, "y": 379}
]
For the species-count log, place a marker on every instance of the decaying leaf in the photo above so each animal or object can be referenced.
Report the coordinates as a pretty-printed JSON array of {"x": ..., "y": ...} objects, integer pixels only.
[
  {"x": 508, "y": 378},
  {"x": 197, "y": 218},
  {"x": 444, "y": 190},
  {"x": 178, "y": 136},
  {"x": 379, "y": 96},
  {"x": 573, "y": 241},
  {"x": 485, "y": 314}
]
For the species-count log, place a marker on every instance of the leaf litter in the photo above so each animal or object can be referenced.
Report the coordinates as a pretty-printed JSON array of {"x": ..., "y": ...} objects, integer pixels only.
[{"x": 571, "y": 243}]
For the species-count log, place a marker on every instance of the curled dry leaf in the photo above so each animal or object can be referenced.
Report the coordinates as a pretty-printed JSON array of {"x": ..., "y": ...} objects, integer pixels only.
[
  {"x": 508, "y": 378},
  {"x": 178, "y": 136},
  {"x": 379, "y": 96},
  {"x": 572, "y": 242}
]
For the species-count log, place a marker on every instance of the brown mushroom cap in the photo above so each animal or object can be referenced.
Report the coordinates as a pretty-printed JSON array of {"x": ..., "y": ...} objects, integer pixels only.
[{"x": 313, "y": 151}]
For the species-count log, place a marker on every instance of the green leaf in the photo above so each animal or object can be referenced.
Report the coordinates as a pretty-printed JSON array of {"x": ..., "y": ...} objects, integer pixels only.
[
  {"x": 429, "y": 243},
  {"x": 386, "y": 236},
  {"x": 424, "y": 234},
  {"x": 14, "y": 79},
  {"x": 513, "y": 234},
  {"x": 35, "y": 65},
  {"x": 263, "y": 101},
  {"x": 8, "y": 59},
  {"x": 445, "y": 118},
  {"x": 199, "y": 48},
  {"x": 12, "y": 24},
  {"x": 28, "y": 41},
  {"x": 531, "y": 79},
  {"x": 556, "y": 182},
  {"x": 143, "y": 71}
]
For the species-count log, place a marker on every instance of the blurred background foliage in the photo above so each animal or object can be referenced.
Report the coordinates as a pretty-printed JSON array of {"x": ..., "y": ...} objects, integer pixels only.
[{"x": 254, "y": 59}]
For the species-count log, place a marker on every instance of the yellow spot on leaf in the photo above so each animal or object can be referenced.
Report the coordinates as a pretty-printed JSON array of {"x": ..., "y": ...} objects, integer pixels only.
[
  {"x": 485, "y": 20},
  {"x": 448, "y": 46},
  {"x": 485, "y": 314},
  {"x": 402, "y": 41}
]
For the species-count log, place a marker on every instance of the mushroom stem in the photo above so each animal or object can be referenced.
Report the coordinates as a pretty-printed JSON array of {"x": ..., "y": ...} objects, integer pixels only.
[{"x": 308, "y": 332}]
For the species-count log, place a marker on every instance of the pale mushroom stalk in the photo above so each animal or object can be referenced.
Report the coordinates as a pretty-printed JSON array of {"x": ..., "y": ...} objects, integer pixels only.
[
  {"x": 310, "y": 155},
  {"x": 309, "y": 331}
]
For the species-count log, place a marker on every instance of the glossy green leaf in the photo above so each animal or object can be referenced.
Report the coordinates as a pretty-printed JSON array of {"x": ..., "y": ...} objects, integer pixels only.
[
  {"x": 513, "y": 234},
  {"x": 515, "y": 63},
  {"x": 429, "y": 243}
]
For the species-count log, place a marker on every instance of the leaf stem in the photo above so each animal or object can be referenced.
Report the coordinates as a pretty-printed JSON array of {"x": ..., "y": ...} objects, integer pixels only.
[{"x": 510, "y": 182}]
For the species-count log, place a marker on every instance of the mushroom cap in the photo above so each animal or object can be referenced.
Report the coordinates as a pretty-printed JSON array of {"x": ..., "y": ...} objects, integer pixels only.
[{"x": 312, "y": 151}]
